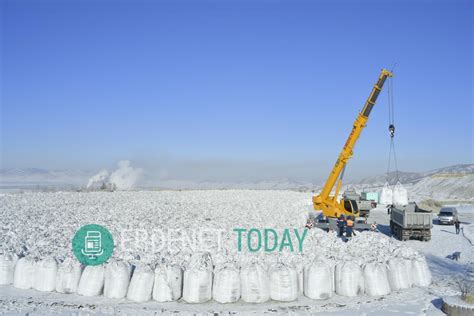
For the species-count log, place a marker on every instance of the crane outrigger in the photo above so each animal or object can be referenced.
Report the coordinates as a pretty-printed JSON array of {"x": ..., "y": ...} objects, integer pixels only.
[{"x": 329, "y": 205}]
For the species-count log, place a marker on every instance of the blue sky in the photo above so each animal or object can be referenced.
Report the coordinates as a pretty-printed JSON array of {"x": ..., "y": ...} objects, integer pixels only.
[{"x": 234, "y": 83}]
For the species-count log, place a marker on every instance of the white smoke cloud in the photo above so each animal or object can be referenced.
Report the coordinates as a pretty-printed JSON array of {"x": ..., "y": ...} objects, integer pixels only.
[
  {"x": 99, "y": 180},
  {"x": 124, "y": 178}
]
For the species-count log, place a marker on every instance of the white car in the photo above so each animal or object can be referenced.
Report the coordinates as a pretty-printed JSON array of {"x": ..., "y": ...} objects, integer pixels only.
[{"x": 448, "y": 215}]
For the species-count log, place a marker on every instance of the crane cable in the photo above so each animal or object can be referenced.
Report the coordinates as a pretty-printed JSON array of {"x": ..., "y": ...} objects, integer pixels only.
[{"x": 391, "y": 130}]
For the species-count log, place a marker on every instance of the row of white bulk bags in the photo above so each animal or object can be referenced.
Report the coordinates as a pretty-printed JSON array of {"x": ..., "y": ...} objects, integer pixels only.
[
  {"x": 319, "y": 280},
  {"x": 376, "y": 279},
  {"x": 68, "y": 276},
  {"x": 197, "y": 286},
  {"x": 92, "y": 281},
  {"x": 386, "y": 195},
  {"x": 141, "y": 285},
  {"x": 226, "y": 286},
  {"x": 45, "y": 275},
  {"x": 349, "y": 279},
  {"x": 400, "y": 195},
  {"x": 117, "y": 279},
  {"x": 168, "y": 283},
  {"x": 255, "y": 284},
  {"x": 7, "y": 268},
  {"x": 283, "y": 283},
  {"x": 24, "y": 275}
]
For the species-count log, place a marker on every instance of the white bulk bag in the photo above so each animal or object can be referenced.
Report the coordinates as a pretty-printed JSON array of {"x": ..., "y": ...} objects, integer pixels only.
[
  {"x": 168, "y": 283},
  {"x": 376, "y": 279},
  {"x": 319, "y": 280},
  {"x": 386, "y": 195},
  {"x": 300, "y": 273},
  {"x": 283, "y": 283},
  {"x": 92, "y": 281},
  {"x": 68, "y": 276},
  {"x": 255, "y": 284},
  {"x": 198, "y": 279},
  {"x": 7, "y": 268},
  {"x": 349, "y": 279},
  {"x": 400, "y": 195},
  {"x": 141, "y": 285},
  {"x": 398, "y": 274},
  {"x": 197, "y": 286},
  {"x": 117, "y": 279},
  {"x": 45, "y": 275},
  {"x": 226, "y": 288},
  {"x": 24, "y": 275},
  {"x": 421, "y": 272}
]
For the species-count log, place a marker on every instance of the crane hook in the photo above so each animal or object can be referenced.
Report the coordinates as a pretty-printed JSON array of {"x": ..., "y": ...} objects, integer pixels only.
[{"x": 391, "y": 130}]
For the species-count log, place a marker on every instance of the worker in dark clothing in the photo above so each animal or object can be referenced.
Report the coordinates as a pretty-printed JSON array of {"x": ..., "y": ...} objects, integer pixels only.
[
  {"x": 457, "y": 225},
  {"x": 349, "y": 227},
  {"x": 340, "y": 225}
]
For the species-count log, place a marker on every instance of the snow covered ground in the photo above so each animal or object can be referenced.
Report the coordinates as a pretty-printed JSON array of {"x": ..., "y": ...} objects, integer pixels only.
[{"x": 43, "y": 224}]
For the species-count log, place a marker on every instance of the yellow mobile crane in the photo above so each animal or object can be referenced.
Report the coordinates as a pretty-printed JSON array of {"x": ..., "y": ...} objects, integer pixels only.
[{"x": 329, "y": 204}]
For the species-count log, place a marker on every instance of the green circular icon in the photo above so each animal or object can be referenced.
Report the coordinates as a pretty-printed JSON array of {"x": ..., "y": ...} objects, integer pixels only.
[{"x": 92, "y": 244}]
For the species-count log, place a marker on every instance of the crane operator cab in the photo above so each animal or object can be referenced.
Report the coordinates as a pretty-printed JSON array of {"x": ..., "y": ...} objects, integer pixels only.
[{"x": 351, "y": 206}]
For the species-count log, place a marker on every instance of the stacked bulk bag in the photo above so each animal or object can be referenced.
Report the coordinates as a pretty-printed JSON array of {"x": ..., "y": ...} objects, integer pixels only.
[
  {"x": 376, "y": 279},
  {"x": 386, "y": 195},
  {"x": 141, "y": 285},
  {"x": 399, "y": 276},
  {"x": 45, "y": 275},
  {"x": 117, "y": 279},
  {"x": 92, "y": 281},
  {"x": 168, "y": 283},
  {"x": 400, "y": 195},
  {"x": 255, "y": 284},
  {"x": 226, "y": 286},
  {"x": 349, "y": 279},
  {"x": 283, "y": 283},
  {"x": 7, "y": 268},
  {"x": 421, "y": 272},
  {"x": 198, "y": 279},
  {"x": 319, "y": 280},
  {"x": 300, "y": 273},
  {"x": 24, "y": 275},
  {"x": 68, "y": 276}
]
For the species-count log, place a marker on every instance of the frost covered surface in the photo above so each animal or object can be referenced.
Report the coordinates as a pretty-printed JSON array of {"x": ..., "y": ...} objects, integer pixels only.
[{"x": 41, "y": 225}]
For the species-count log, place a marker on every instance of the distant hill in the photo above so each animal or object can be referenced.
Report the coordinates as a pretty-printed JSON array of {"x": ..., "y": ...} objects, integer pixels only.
[{"x": 448, "y": 183}]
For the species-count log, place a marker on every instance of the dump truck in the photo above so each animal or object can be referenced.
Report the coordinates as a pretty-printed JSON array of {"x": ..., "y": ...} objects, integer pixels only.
[
  {"x": 410, "y": 222},
  {"x": 364, "y": 205}
]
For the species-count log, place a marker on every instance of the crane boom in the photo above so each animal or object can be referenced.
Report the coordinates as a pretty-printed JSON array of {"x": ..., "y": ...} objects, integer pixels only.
[{"x": 329, "y": 205}]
